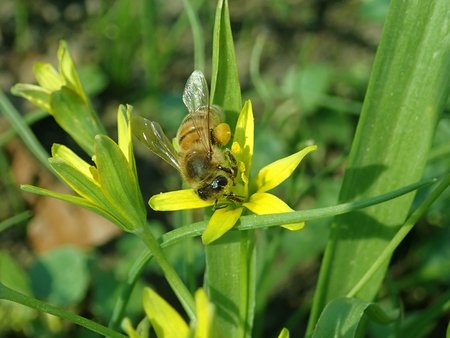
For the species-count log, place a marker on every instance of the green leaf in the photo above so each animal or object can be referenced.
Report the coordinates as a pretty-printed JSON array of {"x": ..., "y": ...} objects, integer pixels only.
[
  {"x": 118, "y": 183},
  {"x": 12, "y": 275},
  {"x": 23, "y": 130},
  {"x": 84, "y": 203},
  {"x": 225, "y": 87},
  {"x": 35, "y": 94},
  {"x": 342, "y": 318},
  {"x": 52, "y": 280},
  {"x": 16, "y": 219},
  {"x": 17, "y": 297},
  {"x": 12, "y": 315},
  {"x": 76, "y": 118},
  {"x": 230, "y": 261},
  {"x": 408, "y": 88}
]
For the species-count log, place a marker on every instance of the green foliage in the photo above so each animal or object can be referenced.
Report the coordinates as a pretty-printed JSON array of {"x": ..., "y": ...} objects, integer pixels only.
[
  {"x": 305, "y": 68},
  {"x": 52, "y": 281},
  {"x": 396, "y": 128}
]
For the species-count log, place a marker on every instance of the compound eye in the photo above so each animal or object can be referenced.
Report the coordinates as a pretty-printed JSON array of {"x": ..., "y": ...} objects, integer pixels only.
[
  {"x": 203, "y": 194},
  {"x": 219, "y": 182}
]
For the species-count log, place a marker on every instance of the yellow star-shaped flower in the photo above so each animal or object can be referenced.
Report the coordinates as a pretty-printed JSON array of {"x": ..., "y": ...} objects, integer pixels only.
[{"x": 254, "y": 193}]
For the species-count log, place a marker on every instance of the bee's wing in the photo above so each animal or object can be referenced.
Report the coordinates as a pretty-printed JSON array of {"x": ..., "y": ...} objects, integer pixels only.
[
  {"x": 196, "y": 93},
  {"x": 196, "y": 99},
  {"x": 151, "y": 134}
]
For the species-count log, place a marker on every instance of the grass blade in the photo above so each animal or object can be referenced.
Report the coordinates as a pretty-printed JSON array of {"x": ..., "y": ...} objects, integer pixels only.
[
  {"x": 230, "y": 261},
  {"x": 23, "y": 130},
  {"x": 407, "y": 90}
]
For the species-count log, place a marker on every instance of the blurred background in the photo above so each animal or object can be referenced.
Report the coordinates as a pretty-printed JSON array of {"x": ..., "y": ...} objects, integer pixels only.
[{"x": 305, "y": 65}]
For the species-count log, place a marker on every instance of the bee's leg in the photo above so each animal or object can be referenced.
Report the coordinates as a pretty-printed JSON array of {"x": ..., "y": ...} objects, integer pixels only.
[
  {"x": 218, "y": 205},
  {"x": 234, "y": 198},
  {"x": 232, "y": 170},
  {"x": 225, "y": 169}
]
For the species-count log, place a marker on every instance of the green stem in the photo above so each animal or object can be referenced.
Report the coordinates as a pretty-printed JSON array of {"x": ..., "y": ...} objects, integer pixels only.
[
  {"x": 400, "y": 235},
  {"x": 247, "y": 282},
  {"x": 23, "y": 130},
  {"x": 199, "y": 45},
  {"x": 264, "y": 221},
  {"x": 127, "y": 288},
  {"x": 29, "y": 118},
  {"x": 16, "y": 219},
  {"x": 246, "y": 222},
  {"x": 171, "y": 275},
  {"x": 14, "y": 296},
  {"x": 230, "y": 266}
]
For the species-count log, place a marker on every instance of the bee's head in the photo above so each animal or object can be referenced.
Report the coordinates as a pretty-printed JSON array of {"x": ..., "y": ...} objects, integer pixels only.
[{"x": 213, "y": 189}]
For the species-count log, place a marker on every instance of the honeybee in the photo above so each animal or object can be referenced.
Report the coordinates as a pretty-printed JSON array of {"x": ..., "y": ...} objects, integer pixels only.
[{"x": 200, "y": 158}]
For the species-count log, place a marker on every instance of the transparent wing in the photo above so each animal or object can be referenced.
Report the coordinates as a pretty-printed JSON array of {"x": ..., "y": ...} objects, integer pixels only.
[
  {"x": 196, "y": 95},
  {"x": 151, "y": 134}
]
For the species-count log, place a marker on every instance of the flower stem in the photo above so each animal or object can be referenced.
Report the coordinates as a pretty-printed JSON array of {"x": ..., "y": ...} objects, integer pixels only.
[
  {"x": 230, "y": 277},
  {"x": 171, "y": 275},
  {"x": 14, "y": 296}
]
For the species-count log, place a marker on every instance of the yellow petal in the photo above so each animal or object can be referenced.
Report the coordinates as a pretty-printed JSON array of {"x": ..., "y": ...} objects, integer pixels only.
[
  {"x": 262, "y": 203},
  {"x": 124, "y": 131},
  {"x": 47, "y": 76},
  {"x": 243, "y": 135},
  {"x": 68, "y": 71},
  {"x": 129, "y": 329},
  {"x": 284, "y": 333},
  {"x": 204, "y": 312},
  {"x": 276, "y": 172},
  {"x": 72, "y": 159},
  {"x": 220, "y": 222},
  {"x": 165, "y": 320},
  {"x": 177, "y": 200}
]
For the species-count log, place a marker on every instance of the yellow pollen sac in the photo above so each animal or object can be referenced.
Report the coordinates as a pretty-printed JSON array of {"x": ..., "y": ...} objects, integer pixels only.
[
  {"x": 235, "y": 148},
  {"x": 244, "y": 178},
  {"x": 222, "y": 133}
]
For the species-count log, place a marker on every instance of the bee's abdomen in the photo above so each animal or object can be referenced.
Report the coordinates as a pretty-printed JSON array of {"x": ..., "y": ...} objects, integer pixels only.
[
  {"x": 198, "y": 166},
  {"x": 189, "y": 133}
]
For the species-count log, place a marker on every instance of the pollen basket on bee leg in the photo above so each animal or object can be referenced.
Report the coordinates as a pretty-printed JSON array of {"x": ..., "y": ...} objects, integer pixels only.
[{"x": 222, "y": 133}]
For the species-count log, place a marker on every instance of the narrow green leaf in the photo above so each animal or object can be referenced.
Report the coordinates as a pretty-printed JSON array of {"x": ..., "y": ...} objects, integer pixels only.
[
  {"x": 16, "y": 219},
  {"x": 118, "y": 183},
  {"x": 199, "y": 43},
  {"x": 17, "y": 297},
  {"x": 23, "y": 130},
  {"x": 225, "y": 87},
  {"x": 230, "y": 261},
  {"x": 76, "y": 118},
  {"x": 35, "y": 94},
  {"x": 409, "y": 85},
  {"x": 341, "y": 318},
  {"x": 84, "y": 203}
]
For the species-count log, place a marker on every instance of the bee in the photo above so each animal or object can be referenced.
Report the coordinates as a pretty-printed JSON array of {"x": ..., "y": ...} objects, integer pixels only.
[{"x": 200, "y": 157}]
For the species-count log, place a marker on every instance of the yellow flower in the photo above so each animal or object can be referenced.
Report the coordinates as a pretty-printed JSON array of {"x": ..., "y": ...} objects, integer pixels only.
[
  {"x": 167, "y": 322},
  {"x": 60, "y": 93},
  {"x": 254, "y": 193},
  {"x": 110, "y": 188}
]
